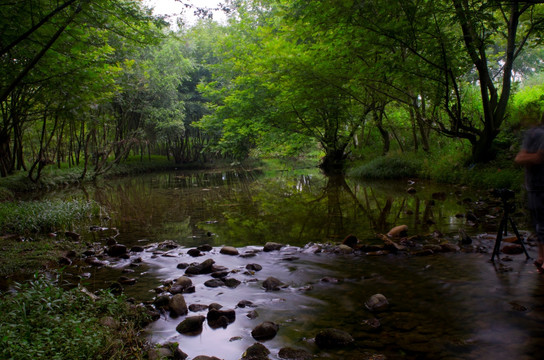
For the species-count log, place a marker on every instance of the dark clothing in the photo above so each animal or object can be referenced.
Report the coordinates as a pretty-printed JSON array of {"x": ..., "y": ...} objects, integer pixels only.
[{"x": 533, "y": 141}]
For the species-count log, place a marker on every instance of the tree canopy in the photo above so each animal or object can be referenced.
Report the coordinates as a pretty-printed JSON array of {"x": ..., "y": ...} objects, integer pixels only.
[{"x": 90, "y": 83}]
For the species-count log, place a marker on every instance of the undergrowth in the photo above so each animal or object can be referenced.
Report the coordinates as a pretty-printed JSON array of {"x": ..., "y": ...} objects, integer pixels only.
[{"x": 41, "y": 320}]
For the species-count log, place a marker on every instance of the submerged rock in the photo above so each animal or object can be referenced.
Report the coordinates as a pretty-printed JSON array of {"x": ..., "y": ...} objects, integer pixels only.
[
  {"x": 331, "y": 338},
  {"x": 294, "y": 354},
  {"x": 377, "y": 303}
]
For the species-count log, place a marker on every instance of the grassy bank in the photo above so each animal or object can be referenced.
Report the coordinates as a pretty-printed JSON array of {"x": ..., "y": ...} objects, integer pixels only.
[{"x": 447, "y": 166}]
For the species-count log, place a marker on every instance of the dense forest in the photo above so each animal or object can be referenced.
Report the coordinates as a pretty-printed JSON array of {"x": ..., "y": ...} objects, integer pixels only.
[{"x": 89, "y": 84}]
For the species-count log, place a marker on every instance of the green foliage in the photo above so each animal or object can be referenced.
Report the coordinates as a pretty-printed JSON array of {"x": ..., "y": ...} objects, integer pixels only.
[
  {"x": 44, "y": 216},
  {"x": 388, "y": 167},
  {"x": 40, "y": 320}
]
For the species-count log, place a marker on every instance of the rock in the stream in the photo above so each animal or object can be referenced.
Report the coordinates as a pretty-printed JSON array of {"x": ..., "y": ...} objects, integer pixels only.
[
  {"x": 265, "y": 331},
  {"x": 256, "y": 351},
  {"x": 351, "y": 241},
  {"x": 214, "y": 283},
  {"x": 294, "y": 354},
  {"x": 192, "y": 325},
  {"x": 331, "y": 338},
  {"x": 398, "y": 231},
  {"x": 254, "y": 267},
  {"x": 377, "y": 303},
  {"x": 167, "y": 351},
  {"x": 205, "y": 357},
  {"x": 513, "y": 249},
  {"x": 177, "y": 305},
  {"x": 204, "y": 267},
  {"x": 220, "y": 318},
  {"x": 272, "y": 246},
  {"x": 272, "y": 284},
  {"x": 229, "y": 250},
  {"x": 194, "y": 252},
  {"x": 245, "y": 303},
  {"x": 117, "y": 250},
  {"x": 205, "y": 247},
  {"x": 232, "y": 283}
]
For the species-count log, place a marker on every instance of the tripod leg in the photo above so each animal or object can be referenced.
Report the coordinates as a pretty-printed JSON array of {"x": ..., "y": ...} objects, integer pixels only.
[
  {"x": 497, "y": 247},
  {"x": 514, "y": 227}
]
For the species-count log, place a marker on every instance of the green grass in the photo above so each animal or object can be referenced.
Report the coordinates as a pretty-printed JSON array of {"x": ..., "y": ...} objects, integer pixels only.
[{"x": 40, "y": 320}]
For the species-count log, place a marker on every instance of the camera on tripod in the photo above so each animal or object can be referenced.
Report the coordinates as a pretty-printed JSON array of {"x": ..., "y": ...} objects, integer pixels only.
[
  {"x": 503, "y": 194},
  {"x": 508, "y": 207}
]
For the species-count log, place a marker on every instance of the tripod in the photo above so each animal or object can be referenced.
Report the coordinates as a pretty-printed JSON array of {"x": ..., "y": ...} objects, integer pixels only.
[{"x": 504, "y": 194}]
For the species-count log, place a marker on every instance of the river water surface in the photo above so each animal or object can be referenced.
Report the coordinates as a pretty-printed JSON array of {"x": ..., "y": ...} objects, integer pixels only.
[{"x": 455, "y": 305}]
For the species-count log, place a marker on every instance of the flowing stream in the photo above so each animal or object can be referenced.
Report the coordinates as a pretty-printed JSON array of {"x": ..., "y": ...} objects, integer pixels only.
[{"x": 454, "y": 305}]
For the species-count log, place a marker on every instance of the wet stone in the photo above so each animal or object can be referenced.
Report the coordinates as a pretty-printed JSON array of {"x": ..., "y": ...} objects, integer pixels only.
[
  {"x": 177, "y": 305},
  {"x": 213, "y": 283},
  {"x": 232, "y": 283},
  {"x": 182, "y": 266},
  {"x": 194, "y": 252},
  {"x": 117, "y": 250},
  {"x": 265, "y": 331},
  {"x": 229, "y": 250},
  {"x": 137, "y": 249},
  {"x": 198, "y": 307},
  {"x": 272, "y": 246},
  {"x": 256, "y": 351},
  {"x": 205, "y": 248},
  {"x": 252, "y": 314},
  {"x": 203, "y": 268},
  {"x": 220, "y": 274},
  {"x": 254, "y": 267},
  {"x": 245, "y": 303},
  {"x": 272, "y": 284},
  {"x": 192, "y": 325}
]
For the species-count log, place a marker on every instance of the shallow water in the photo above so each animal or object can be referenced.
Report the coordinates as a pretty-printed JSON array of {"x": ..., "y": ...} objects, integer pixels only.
[{"x": 445, "y": 306}]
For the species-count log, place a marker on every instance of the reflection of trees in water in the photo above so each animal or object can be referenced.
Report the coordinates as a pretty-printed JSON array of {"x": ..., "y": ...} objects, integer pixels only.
[
  {"x": 245, "y": 208},
  {"x": 351, "y": 207}
]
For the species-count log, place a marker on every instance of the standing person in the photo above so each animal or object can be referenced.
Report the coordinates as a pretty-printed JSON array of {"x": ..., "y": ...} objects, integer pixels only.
[{"x": 531, "y": 156}]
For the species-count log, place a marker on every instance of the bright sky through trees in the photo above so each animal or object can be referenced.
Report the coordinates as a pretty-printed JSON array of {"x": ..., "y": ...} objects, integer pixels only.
[{"x": 175, "y": 9}]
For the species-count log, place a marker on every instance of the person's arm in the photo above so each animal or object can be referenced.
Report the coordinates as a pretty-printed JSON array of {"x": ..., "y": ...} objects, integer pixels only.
[{"x": 527, "y": 159}]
